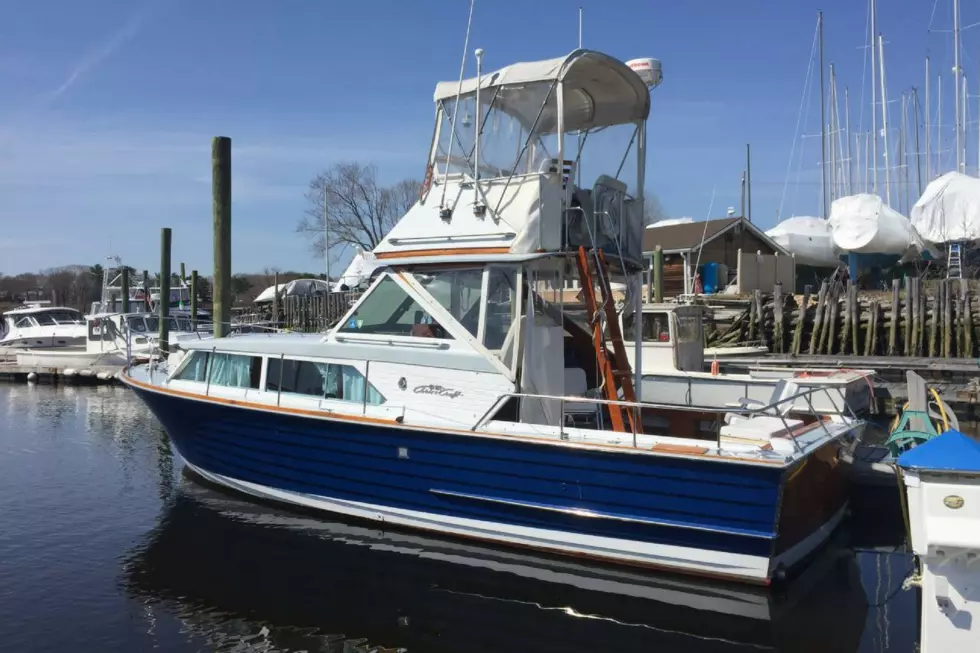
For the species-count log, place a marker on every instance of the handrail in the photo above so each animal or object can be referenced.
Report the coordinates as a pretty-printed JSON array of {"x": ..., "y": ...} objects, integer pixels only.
[{"x": 766, "y": 410}]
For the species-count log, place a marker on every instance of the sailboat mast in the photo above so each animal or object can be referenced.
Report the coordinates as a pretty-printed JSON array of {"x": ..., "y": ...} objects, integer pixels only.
[
  {"x": 918, "y": 154},
  {"x": 939, "y": 123},
  {"x": 847, "y": 135},
  {"x": 823, "y": 123},
  {"x": 832, "y": 133},
  {"x": 903, "y": 155},
  {"x": 874, "y": 101},
  {"x": 956, "y": 83},
  {"x": 884, "y": 120},
  {"x": 928, "y": 131}
]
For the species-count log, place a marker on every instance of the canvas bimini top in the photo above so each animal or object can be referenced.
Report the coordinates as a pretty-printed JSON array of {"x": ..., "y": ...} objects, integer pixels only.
[{"x": 599, "y": 91}]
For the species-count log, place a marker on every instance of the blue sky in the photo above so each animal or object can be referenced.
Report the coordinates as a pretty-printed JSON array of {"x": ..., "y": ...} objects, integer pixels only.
[{"x": 107, "y": 107}]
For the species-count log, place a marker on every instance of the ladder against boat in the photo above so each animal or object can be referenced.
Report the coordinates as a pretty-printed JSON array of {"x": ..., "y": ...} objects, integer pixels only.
[
  {"x": 954, "y": 262},
  {"x": 941, "y": 480}
]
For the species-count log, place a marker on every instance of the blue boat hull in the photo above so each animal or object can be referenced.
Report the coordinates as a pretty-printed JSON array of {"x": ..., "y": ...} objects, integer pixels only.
[{"x": 701, "y": 516}]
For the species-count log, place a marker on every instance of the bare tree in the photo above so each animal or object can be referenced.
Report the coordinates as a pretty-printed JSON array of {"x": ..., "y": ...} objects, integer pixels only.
[
  {"x": 652, "y": 209},
  {"x": 359, "y": 211}
]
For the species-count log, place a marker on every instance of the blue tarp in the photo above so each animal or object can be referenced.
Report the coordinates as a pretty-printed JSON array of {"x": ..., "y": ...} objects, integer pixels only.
[{"x": 950, "y": 452}]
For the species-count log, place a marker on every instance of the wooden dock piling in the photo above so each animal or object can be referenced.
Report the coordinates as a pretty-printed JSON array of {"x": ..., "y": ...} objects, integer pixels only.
[
  {"x": 658, "y": 274},
  {"x": 146, "y": 289},
  {"x": 164, "y": 303},
  {"x": 124, "y": 282},
  {"x": 801, "y": 320},
  {"x": 893, "y": 327},
  {"x": 221, "y": 213},
  {"x": 193, "y": 300}
]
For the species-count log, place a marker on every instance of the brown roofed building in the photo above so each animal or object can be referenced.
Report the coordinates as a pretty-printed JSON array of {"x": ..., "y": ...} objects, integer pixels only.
[{"x": 718, "y": 241}]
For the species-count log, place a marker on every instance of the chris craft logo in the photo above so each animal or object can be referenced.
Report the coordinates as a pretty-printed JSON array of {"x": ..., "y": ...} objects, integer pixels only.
[{"x": 438, "y": 390}]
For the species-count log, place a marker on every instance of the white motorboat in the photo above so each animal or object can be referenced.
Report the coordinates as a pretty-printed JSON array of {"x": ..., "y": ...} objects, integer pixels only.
[
  {"x": 674, "y": 370},
  {"x": 455, "y": 397},
  {"x": 41, "y": 327}
]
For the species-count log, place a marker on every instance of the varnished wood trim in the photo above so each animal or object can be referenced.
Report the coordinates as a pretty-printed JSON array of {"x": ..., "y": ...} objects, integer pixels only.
[{"x": 679, "y": 448}]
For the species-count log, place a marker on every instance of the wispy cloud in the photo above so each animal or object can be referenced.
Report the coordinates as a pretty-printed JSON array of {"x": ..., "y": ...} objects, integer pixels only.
[{"x": 102, "y": 51}]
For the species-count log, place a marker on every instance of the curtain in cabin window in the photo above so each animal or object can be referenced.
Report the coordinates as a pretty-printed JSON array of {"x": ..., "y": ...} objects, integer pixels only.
[
  {"x": 196, "y": 367},
  {"x": 230, "y": 370},
  {"x": 355, "y": 386}
]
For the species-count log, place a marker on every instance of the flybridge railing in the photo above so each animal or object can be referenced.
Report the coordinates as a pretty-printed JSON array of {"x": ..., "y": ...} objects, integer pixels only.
[{"x": 780, "y": 408}]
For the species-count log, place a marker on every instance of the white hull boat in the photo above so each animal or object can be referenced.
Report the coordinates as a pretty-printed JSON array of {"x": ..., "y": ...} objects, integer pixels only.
[
  {"x": 444, "y": 399},
  {"x": 674, "y": 371},
  {"x": 41, "y": 328},
  {"x": 863, "y": 224},
  {"x": 808, "y": 239},
  {"x": 949, "y": 209}
]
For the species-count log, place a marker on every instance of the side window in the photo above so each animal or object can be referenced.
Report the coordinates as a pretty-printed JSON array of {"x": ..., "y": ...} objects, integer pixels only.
[
  {"x": 235, "y": 370},
  {"x": 195, "y": 367},
  {"x": 389, "y": 310},
  {"x": 459, "y": 292},
  {"x": 324, "y": 380}
]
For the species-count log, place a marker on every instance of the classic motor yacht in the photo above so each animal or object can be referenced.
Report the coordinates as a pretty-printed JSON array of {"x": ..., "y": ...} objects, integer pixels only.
[
  {"x": 41, "y": 327},
  {"x": 454, "y": 397},
  {"x": 674, "y": 370}
]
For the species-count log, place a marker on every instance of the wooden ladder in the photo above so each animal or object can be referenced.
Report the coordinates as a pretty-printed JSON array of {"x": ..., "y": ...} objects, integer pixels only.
[{"x": 615, "y": 374}]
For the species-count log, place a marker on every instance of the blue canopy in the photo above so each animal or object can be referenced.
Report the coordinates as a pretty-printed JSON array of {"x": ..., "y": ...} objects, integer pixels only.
[{"x": 950, "y": 452}]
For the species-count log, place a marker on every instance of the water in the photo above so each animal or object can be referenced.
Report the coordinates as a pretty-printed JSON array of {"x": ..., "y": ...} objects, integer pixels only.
[{"x": 106, "y": 545}]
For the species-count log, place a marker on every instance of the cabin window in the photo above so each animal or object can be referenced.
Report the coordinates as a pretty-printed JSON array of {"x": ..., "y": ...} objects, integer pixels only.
[
  {"x": 324, "y": 380},
  {"x": 688, "y": 328},
  {"x": 195, "y": 367},
  {"x": 656, "y": 327},
  {"x": 501, "y": 306},
  {"x": 136, "y": 324},
  {"x": 235, "y": 371},
  {"x": 389, "y": 310},
  {"x": 459, "y": 293},
  {"x": 24, "y": 322}
]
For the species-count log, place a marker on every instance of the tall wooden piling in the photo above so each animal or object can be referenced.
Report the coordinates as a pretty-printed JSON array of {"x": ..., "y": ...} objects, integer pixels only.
[
  {"x": 193, "y": 300},
  {"x": 893, "y": 327},
  {"x": 752, "y": 320},
  {"x": 907, "y": 331},
  {"x": 845, "y": 339},
  {"x": 778, "y": 328},
  {"x": 221, "y": 213},
  {"x": 818, "y": 318},
  {"x": 855, "y": 316},
  {"x": 124, "y": 283},
  {"x": 827, "y": 339},
  {"x": 947, "y": 319},
  {"x": 146, "y": 290},
  {"x": 798, "y": 329},
  {"x": 869, "y": 336},
  {"x": 163, "y": 306},
  {"x": 760, "y": 325},
  {"x": 934, "y": 325},
  {"x": 967, "y": 327},
  {"x": 183, "y": 274},
  {"x": 658, "y": 274},
  {"x": 275, "y": 299}
]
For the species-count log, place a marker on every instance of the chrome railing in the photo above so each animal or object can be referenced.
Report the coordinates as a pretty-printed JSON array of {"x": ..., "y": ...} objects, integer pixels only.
[{"x": 773, "y": 409}]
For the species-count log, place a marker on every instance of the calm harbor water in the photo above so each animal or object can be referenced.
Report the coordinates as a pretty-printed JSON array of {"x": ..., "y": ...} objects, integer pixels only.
[{"x": 106, "y": 545}]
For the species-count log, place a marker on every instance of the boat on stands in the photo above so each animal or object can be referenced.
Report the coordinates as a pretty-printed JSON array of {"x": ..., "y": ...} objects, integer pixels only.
[
  {"x": 41, "y": 327},
  {"x": 674, "y": 370},
  {"x": 454, "y": 397}
]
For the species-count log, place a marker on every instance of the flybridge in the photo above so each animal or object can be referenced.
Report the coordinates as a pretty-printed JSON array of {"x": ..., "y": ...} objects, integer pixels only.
[{"x": 504, "y": 179}]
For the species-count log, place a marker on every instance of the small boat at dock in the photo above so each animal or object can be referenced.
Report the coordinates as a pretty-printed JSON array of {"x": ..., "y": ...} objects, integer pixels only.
[
  {"x": 41, "y": 327},
  {"x": 454, "y": 397}
]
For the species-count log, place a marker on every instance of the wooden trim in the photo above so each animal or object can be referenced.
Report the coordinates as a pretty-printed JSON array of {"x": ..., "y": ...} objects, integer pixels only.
[
  {"x": 463, "y": 251},
  {"x": 341, "y": 417},
  {"x": 679, "y": 448}
]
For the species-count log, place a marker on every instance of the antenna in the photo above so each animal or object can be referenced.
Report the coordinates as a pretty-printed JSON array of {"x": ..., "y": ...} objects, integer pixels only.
[{"x": 580, "y": 27}]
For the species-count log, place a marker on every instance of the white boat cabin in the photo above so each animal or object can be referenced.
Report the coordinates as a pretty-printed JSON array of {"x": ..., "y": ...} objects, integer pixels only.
[{"x": 42, "y": 327}]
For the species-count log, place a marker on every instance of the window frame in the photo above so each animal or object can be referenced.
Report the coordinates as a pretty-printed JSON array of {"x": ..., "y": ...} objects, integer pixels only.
[{"x": 360, "y": 367}]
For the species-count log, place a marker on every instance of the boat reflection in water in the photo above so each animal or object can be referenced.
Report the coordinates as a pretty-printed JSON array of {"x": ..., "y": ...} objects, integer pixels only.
[{"x": 253, "y": 577}]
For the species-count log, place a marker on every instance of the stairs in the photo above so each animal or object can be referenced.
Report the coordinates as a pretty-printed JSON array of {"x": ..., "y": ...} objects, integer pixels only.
[
  {"x": 614, "y": 367},
  {"x": 954, "y": 264}
]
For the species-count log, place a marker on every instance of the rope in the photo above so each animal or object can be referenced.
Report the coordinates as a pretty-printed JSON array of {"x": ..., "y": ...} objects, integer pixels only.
[
  {"x": 459, "y": 91},
  {"x": 799, "y": 118},
  {"x": 711, "y": 207}
]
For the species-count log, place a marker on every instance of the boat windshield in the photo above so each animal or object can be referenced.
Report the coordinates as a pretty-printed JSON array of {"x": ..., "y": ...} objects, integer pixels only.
[
  {"x": 389, "y": 310},
  {"x": 53, "y": 318},
  {"x": 508, "y": 115},
  {"x": 656, "y": 327}
]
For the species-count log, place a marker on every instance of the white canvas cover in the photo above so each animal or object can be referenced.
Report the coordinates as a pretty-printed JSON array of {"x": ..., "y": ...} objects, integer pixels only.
[
  {"x": 863, "y": 224},
  {"x": 808, "y": 239},
  {"x": 949, "y": 209},
  {"x": 360, "y": 269},
  {"x": 304, "y": 287},
  {"x": 599, "y": 91},
  {"x": 667, "y": 222}
]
